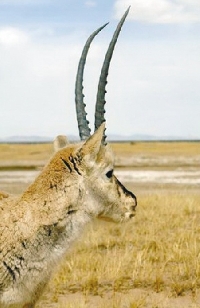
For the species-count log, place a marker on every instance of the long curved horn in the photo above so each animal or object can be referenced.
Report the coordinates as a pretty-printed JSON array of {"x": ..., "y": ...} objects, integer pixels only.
[
  {"x": 100, "y": 102},
  {"x": 83, "y": 124}
]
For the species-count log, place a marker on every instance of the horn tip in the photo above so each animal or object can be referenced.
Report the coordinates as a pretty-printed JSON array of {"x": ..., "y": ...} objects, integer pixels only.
[{"x": 127, "y": 11}]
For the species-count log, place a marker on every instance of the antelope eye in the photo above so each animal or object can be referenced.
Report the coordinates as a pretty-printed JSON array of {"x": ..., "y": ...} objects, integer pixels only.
[{"x": 109, "y": 174}]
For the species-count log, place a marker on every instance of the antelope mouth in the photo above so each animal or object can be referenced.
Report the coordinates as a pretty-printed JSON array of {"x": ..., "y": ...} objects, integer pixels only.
[
  {"x": 104, "y": 218},
  {"x": 129, "y": 216}
]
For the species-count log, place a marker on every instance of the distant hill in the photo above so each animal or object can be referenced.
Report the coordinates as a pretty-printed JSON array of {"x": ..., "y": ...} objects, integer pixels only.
[
  {"x": 139, "y": 137},
  {"x": 26, "y": 139}
]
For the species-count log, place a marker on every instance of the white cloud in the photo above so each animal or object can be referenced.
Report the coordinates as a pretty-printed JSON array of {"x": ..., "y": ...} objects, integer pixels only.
[
  {"x": 24, "y": 2},
  {"x": 152, "y": 86},
  {"x": 37, "y": 84},
  {"x": 157, "y": 85},
  {"x": 160, "y": 11},
  {"x": 90, "y": 3},
  {"x": 12, "y": 36},
  {"x": 37, "y": 81}
]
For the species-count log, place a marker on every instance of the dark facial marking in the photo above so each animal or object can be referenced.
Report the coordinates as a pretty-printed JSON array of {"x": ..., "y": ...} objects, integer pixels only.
[
  {"x": 71, "y": 212},
  {"x": 126, "y": 191},
  {"x": 48, "y": 230},
  {"x": 53, "y": 185},
  {"x": 67, "y": 165},
  {"x": 24, "y": 244},
  {"x": 73, "y": 161},
  {"x": 10, "y": 271}
]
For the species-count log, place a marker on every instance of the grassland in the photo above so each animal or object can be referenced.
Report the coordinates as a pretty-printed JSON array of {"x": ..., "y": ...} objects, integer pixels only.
[
  {"x": 151, "y": 262},
  {"x": 30, "y": 155}
]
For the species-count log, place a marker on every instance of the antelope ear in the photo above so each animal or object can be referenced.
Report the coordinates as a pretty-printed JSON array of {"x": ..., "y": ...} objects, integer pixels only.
[
  {"x": 60, "y": 142},
  {"x": 91, "y": 146}
]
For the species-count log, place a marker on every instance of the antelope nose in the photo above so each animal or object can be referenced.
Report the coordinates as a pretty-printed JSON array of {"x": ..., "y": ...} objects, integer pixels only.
[
  {"x": 133, "y": 208},
  {"x": 134, "y": 201}
]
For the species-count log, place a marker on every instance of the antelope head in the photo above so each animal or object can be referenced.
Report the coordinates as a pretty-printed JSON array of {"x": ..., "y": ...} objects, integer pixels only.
[{"x": 91, "y": 163}]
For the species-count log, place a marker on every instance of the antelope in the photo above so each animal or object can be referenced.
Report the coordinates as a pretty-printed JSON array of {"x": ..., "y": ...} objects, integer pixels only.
[{"x": 77, "y": 185}]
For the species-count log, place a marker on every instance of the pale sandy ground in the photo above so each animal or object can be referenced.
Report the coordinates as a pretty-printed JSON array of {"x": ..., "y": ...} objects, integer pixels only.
[
  {"x": 178, "y": 176},
  {"x": 17, "y": 180},
  {"x": 135, "y": 298}
]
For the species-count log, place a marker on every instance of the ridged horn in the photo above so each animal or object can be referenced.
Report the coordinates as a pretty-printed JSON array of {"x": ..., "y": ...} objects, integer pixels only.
[
  {"x": 100, "y": 101},
  {"x": 83, "y": 124}
]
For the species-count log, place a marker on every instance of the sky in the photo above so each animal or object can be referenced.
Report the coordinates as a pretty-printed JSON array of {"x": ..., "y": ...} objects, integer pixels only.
[{"x": 154, "y": 77}]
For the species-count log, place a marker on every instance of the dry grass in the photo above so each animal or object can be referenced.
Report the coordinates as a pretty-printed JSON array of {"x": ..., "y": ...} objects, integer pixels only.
[
  {"x": 27, "y": 152},
  {"x": 157, "y": 154},
  {"x": 129, "y": 154},
  {"x": 157, "y": 148},
  {"x": 154, "y": 258}
]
